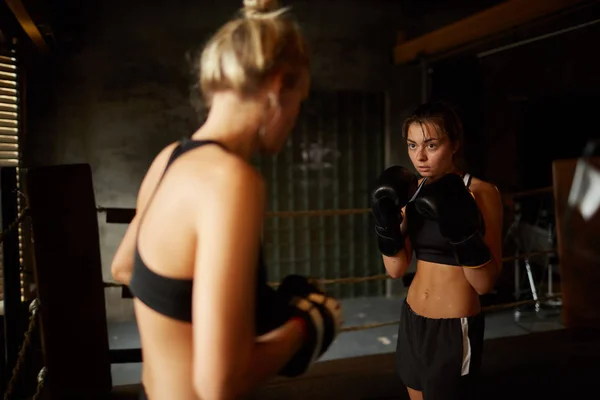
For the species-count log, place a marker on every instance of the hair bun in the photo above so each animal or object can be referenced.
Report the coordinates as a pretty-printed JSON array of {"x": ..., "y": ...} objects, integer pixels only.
[{"x": 253, "y": 8}]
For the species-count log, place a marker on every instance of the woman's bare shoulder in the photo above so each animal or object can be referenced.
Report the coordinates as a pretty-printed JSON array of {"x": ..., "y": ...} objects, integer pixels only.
[
  {"x": 215, "y": 175},
  {"x": 479, "y": 186},
  {"x": 154, "y": 173},
  {"x": 486, "y": 193}
]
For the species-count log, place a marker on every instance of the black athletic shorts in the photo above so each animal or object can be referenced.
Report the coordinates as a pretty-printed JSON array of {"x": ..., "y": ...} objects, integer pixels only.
[{"x": 440, "y": 357}]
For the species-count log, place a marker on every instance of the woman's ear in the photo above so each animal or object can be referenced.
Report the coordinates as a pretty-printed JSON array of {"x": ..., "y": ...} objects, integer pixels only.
[
  {"x": 275, "y": 84},
  {"x": 455, "y": 147}
]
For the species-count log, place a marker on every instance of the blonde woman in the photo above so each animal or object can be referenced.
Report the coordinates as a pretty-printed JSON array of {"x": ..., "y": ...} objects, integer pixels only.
[{"x": 210, "y": 327}]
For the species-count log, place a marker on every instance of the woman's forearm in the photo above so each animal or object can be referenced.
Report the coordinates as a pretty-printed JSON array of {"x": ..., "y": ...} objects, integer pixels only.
[
  {"x": 271, "y": 353},
  {"x": 396, "y": 266},
  {"x": 122, "y": 263},
  {"x": 268, "y": 356}
]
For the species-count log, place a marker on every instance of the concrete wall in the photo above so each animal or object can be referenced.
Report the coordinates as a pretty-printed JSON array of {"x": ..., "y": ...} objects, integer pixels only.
[{"x": 121, "y": 90}]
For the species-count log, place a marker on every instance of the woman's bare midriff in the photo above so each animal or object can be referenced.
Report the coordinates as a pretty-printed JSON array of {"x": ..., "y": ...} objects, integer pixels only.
[{"x": 442, "y": 291}]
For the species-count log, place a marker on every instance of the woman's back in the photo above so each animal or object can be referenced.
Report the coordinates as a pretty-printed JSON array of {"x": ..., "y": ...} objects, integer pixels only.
[{"x": 164, "y": 268}]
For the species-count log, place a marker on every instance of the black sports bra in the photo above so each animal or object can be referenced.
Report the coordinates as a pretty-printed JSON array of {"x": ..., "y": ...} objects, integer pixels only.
[
  {"x": 173, "y": 297},
  {"x": 425, "y": 236}
]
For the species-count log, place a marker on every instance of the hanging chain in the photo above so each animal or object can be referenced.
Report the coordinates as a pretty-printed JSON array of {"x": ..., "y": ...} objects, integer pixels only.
[
  {"x": 33, "y": 309},
  {"x": 40, "y": 383}
]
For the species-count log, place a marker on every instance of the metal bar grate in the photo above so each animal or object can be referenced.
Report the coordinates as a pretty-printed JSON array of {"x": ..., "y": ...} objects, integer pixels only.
[{"x": 330, "y": 162}]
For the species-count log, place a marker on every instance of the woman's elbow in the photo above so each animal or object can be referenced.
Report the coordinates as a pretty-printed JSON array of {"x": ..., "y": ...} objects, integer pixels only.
[
  {"x": 209, "y": 387},
  {"x": 120, "y": 273},
  {"x": 211, "y": 390},
  {"x": 215, "y": 377},
  {"x": 395, "y": 266},
  {"x": 483, "y": 288},
  {"x": 483, "y": 284},
  {"x": 395, "y": 274}
]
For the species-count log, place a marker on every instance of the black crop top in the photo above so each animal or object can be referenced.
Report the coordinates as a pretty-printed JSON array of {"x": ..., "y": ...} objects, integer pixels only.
[
  {"x": 425, "y": 236},
  {"x": 173, "y": 297}
]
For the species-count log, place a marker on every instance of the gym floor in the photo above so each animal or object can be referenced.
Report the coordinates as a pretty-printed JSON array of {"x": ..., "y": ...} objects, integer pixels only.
[{"x": 361, "y": 311}]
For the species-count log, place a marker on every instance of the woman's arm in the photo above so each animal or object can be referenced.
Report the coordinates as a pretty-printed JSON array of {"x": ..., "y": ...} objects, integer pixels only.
[
  {"x": 122, "y": 264},
  {"x": 489, "y": 201},
  {"x": 228, "y": 359},
  {"x": 397, "y": 265}
]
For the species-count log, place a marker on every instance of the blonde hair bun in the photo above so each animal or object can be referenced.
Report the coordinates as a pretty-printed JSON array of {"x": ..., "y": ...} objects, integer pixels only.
[
  {"x": 246, "y": 51},
  {"x": 254, "y": 8}
]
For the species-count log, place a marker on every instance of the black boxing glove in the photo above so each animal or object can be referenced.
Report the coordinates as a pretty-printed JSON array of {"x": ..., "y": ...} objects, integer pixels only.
[
  {"x": 448, "y": 201},
  {"x": 271, "y": 310},
  {"x": 321, "y": 314},
  {"x": 395, "y": 187}
]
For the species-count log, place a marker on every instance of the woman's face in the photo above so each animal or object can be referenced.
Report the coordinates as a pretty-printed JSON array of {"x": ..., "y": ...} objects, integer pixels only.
[{"x": 430, "y": 151}]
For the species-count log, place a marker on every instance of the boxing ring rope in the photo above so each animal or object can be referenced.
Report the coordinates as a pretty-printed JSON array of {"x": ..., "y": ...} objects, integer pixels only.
[
  {"x": 352, "y": 280},
  {"x": 497, "y": 307},
  {"x": 120, "y": 215},
  {"x": 124, "y": 215},
  {"x": 117, "y": 215},
  {"x": 378, "y": 277}
]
